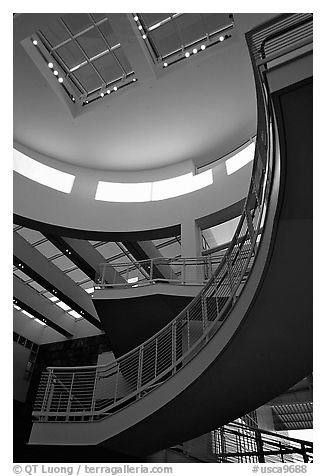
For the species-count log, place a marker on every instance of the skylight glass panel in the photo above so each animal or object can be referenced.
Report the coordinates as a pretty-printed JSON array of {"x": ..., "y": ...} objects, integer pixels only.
[
  {"x": 42, "y": 174},
  {"x": 54, "y": 298},
  {"x": 75, "y": 314},
  {"x": 89, "y": 290},
  {"x": 168, "y": 35},
  {"x": 32, "y": 236},
  {"x": 39, "y": 322},
  {"x": 123, "y": 192},
  {"x": 181, "y": 185},
  {"x": 21, "y": 275},
  {"x": 47, "y": 249},
  {"x": 17, "y": 307},
  {"x": 36, "y": 286},
  {"x": 63, "y": 306},
  {"x": 77, "y": 275},
  {"x": 241, "y": 159},
  {"x": 63, "y": 263},
  {"x": 86, "y": 52},
  {"x": 108, "y": 250},
  {"x": 28, "y": 314},
  {"x": 133, "y": 280}
]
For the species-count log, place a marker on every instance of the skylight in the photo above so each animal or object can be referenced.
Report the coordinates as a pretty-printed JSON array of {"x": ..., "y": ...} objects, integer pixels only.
[
  {"x": 133, "y": 280},
  {"x": 241, "y": 159},
  {"x": 28, "y": 314},
  {"x": 153, "y": 191},
  {"x": 170, "y": 37},
  {"x": 42, "y": 174},
  {"x": 63, "y": 305},
  {"x": 83, "y": 50},
  {"x": 39, "y": 322},
  {"x": 74, "y": 314}
]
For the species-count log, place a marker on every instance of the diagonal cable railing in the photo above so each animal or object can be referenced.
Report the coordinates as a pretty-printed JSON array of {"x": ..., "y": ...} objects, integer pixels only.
[{"x": 96, "y": 392}]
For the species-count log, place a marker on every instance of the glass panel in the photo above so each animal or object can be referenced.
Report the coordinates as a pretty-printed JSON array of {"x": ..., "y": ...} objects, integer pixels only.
[
  {"x": 109, "y": 33},
  {"x": 108, "y": 249},
  {"x": 98, "y": 16},
  {"x": 151, "y": 19},
  {"x": 70, "y": 54},
  {"x": 63, "y": 263},
  {"x": 32, "y": 236},
  {"x": 166, "y": 39},
  {"x": 123, "y": 60},
  {"x": 77, "y": 22},
  {"x": 21, "y": 275},
  {"x": 77, "y": 275},
  {"x": 220, "y": 234},
  {"x": 55, "y": 33},
  {"x": 190, "y": 27},
  {"x": 88, "y": 78},
  {"x": 108, "y": 68},
  {"x": 92, "y": 43},
  {"x": 36, "y": 286},
  {"x": 216, "y": 21},
  {"x": 47, "y": 249}
]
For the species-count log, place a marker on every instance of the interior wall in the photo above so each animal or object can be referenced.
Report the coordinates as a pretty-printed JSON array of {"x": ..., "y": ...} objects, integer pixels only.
[
  {"x": 80, "y": 210},
  {"x": 20, "y": 382}
]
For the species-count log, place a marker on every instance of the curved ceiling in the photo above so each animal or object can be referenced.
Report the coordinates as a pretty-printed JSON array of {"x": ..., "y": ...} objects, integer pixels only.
[{"x": 199, "y": 109}]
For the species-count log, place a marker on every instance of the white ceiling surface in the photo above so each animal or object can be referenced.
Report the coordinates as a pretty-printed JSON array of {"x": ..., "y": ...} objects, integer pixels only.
[{"x": 198, "y": 110}]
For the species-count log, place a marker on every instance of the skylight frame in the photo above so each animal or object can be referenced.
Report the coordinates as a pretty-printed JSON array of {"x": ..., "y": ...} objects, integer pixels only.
[
  {"x": 76, "y": 94},
  {"x": 210, "y": 38}
]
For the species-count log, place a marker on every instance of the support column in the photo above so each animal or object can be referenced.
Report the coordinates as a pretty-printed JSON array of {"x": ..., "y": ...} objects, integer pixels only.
[{"x": 191, "y": 248}]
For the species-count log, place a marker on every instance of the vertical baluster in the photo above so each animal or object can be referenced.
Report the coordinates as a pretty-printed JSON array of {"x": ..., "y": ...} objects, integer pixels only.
[
  {"x": 140, "y": 367},
  {"x": 155, "y": 362},
  {"x": 183, "y": 271},
  {"x": 70, "y": 396},
  {"x": 188, "y": 331},
  {"x": 102, "y": 279},
  {"x": 151, "y": 271},
  {"x": 116, "y": 384},
  {"x": 94, "y": 394},
  {"x": 173, "y": 345},
  {"x": 47, "y": 390}
]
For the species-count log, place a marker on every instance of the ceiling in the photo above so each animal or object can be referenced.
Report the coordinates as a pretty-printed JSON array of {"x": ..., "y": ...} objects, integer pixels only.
[{"x": 199, "y": 109}]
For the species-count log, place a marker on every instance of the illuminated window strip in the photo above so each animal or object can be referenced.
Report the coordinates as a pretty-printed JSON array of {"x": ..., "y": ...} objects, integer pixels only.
[
  {"x": 42, "y": 174},
  {"x": 241, "y": 159},
  {"x": 153, "y": 191}
]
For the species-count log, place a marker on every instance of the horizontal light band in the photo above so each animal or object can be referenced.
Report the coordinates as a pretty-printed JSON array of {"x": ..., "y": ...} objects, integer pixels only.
[
  {"x": 43, "y": 174},
  {"x": 123, "y": 192},
  {"x": 153, "y": 191},
  {"x": 240, "y": 159}
]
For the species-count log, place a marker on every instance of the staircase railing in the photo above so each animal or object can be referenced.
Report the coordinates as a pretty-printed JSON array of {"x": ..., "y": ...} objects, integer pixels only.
[{"x": 95, "y": 392}]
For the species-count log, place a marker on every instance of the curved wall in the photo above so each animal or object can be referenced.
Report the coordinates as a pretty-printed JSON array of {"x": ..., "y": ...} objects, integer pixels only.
[{"x": 79, "y": 210}]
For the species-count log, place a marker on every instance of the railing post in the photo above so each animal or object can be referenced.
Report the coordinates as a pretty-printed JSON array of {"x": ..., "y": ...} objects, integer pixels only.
[
  {"x": 46, "y": 393},
  {"x": 304, "y": 453},
  {"x": 188, "y": 331},
  {"x": 203, "y": 311},
  {"x": 115, "y": 396},
  {"x": 183, "y": 271},
  {"x": 155, "y": 362},
  {"x": 140, "y": 367},
  {"x": 94, "y": 395},
  {"x": 173, "y": 346},
  {"x": 151, "y": 271},
  {"x": 70, "y": 396},
  {"x": 103, "y": 275}
]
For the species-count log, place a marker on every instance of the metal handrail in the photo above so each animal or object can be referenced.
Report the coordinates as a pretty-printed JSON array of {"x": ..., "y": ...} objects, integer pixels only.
[{"x": 106, "y": 389}]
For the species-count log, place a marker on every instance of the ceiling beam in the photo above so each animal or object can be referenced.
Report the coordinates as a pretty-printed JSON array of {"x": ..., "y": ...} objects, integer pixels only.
[
  {"x": 55, "y": 281},
  {"x": 37, "y": 305},
  {"x": 86, "y": 257}
]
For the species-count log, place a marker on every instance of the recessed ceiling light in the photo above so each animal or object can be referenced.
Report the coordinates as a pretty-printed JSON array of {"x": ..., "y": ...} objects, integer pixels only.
[
  {"x": 194, "y": 51},
  {"x": 202, "y": 47},
  {"x": 34, "y": 42},
  {"x": 144, "y": 37},
  {"x": 115, "y": 88},
  {"x": 165, "y": 65},
  {"x": 140, "y": 27},
  {"x": 102, "y": 95},
  {"x": 60, "y": 80},
  {"x": 221, "y": 38},
  {"x": 187, "y": 54},
  {"x": 108, "y": 91},
  {"x": 136, "y": 18},
  {"x": 50, "y": 65},
  {"x": 134, "y": 79},
  {"x": 55, "y": 72}
]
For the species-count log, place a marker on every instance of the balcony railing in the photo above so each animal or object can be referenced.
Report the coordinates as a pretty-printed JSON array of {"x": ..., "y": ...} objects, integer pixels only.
[{"x": 96, "y": 392}]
